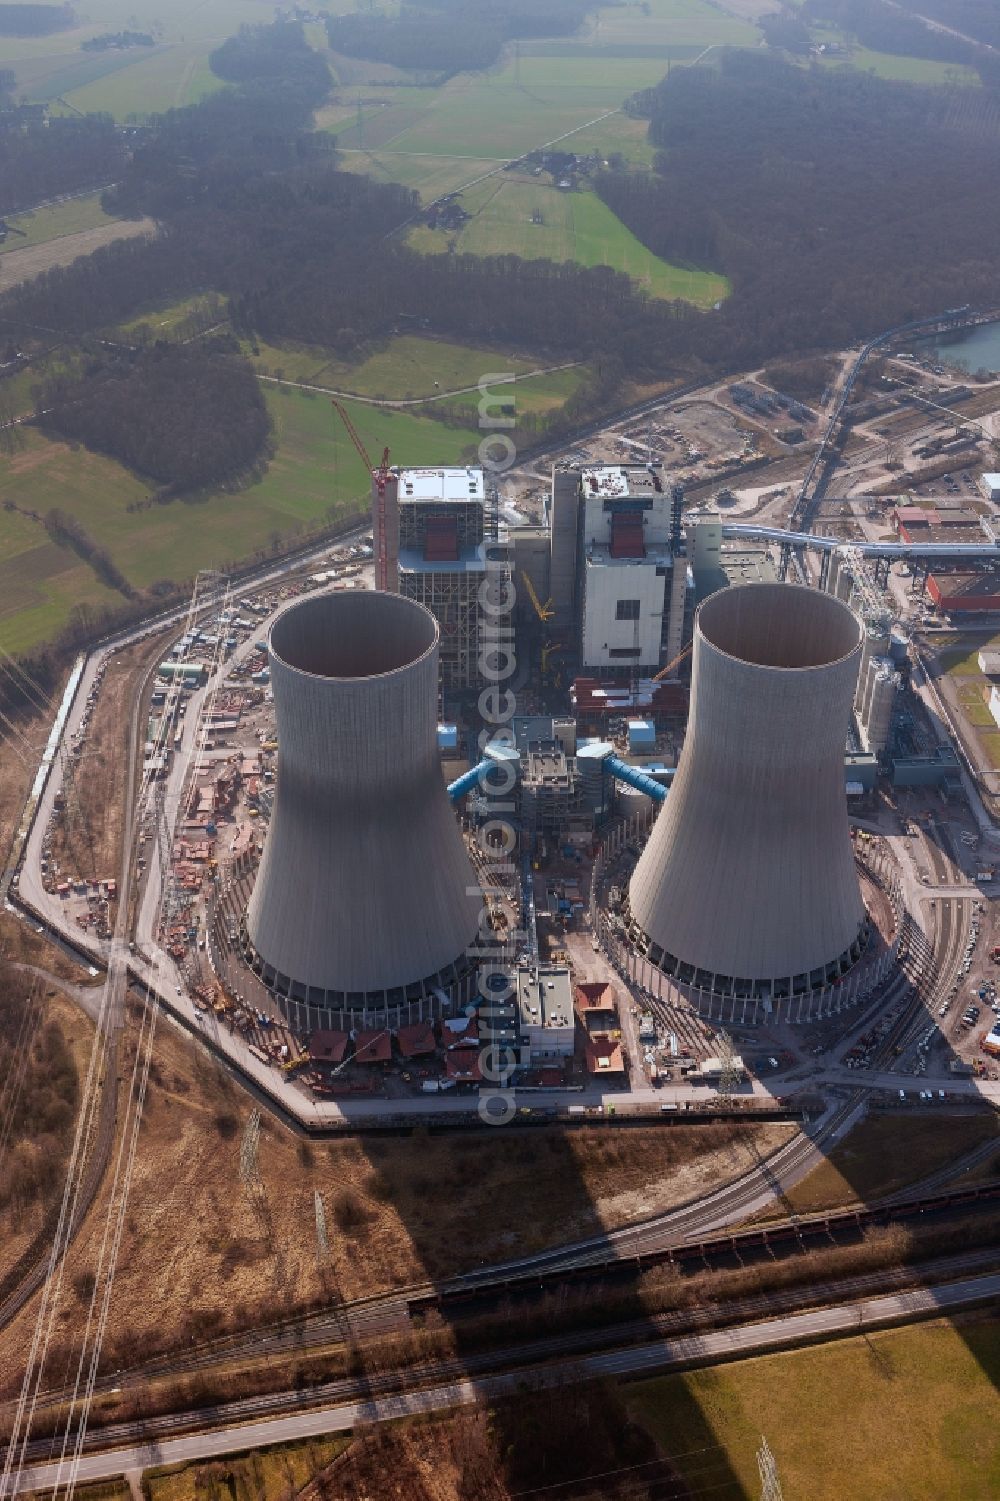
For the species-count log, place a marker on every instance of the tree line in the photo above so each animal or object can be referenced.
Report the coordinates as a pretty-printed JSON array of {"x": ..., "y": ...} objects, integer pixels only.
[
  {"x": 66, "y": 531},
  {"x": 889, "y": 28},
  {"x": 837, "y": 203},
  {"x": 110, "y": 41},
  {"x": 976, "y": 18},
  {"x": 35, "y": 20},
  {"x": 450, "y": 36},
  {"x": 184, "y": 416},
  {"x": 39, "y": 161}
]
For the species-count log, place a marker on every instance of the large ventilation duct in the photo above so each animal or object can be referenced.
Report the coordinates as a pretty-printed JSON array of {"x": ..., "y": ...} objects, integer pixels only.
[
  {"x": 365, "y": 894},
  {"x": 747, "y": 885}
]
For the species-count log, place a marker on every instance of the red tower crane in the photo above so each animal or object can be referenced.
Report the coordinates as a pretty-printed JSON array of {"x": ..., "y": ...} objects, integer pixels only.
[{"x": 380, "y": 478}]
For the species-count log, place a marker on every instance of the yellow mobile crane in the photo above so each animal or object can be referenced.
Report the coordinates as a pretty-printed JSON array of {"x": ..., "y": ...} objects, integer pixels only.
[{"x": 544, "y": 611}]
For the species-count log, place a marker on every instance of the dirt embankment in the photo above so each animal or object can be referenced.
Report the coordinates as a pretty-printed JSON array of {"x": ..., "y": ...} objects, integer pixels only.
[{"x": 202, "y": 1254}]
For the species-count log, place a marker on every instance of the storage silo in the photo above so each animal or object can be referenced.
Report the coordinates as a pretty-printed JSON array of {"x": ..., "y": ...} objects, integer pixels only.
[
  {"x": 747, "y": 885},
  {"x": 365, "y": 894},
  {"x": 882, "y": 703},
  {"x": 594, "y": 783}
]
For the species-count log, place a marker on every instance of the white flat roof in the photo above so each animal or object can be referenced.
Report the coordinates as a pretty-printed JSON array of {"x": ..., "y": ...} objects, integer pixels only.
[
  {"x": 441, "y": 484},
  {"x": 617, "y": 481},
  {"x": 993, "y": 480}
]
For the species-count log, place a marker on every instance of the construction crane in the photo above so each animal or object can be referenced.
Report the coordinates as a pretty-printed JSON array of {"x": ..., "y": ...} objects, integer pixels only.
[
  {"x": 380, "y": 477},
  {"x": 549, "y": 650},
  {"x": 544, "y": 611},
  {"x": 666, "y": 671}
]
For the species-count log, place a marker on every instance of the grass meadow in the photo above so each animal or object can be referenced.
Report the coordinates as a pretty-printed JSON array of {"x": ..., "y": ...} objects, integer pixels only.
[
  {"x": 538, "y": 221},
  {"x": 901, "y": 1414},
  {"x": 314, "y": 474},
  {"x": 52, "y": 223}
]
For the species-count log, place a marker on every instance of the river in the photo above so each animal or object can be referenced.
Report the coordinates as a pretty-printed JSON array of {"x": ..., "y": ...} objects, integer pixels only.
[{"x": 974, "y": 349}]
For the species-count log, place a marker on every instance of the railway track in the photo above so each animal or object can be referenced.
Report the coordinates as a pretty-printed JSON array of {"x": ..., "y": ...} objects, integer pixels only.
[{"x": 578, "y": 1342}]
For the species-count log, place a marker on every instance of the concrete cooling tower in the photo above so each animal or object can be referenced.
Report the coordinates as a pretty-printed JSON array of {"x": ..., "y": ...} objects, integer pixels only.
[
  {"x": 365, "y": 895},
  {"x": 747, "y": 886}
]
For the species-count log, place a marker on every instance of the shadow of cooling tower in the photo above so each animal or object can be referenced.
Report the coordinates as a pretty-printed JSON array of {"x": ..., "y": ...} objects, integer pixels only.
[{"x": 356, "y": 714}]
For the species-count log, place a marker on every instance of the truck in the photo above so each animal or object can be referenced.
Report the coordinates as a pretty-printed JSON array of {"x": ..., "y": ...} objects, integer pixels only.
[{"x": 430, "y": 1086}]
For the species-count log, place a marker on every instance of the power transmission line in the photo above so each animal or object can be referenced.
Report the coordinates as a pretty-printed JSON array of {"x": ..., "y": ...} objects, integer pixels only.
[
  {"x": 770, "y": 1485},
  {"x": 322, "y": 1241},
  {"x": 728, "y": 1071},
  {"x": 249, "y": 1166}
]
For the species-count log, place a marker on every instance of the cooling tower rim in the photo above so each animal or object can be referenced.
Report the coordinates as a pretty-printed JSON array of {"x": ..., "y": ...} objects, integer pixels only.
[
  {"x": 345, "y": 604},
  {"x": 828, "y": 603}
]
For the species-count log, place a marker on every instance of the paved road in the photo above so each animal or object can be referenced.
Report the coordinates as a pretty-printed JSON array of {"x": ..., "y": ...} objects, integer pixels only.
[{"x": 685, "y": 1351}]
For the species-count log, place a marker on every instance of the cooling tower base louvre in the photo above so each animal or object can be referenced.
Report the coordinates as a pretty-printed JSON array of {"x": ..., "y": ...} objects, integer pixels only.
[
  {"x": 775, "y": 988},
  {"x": 747, "y": 886},
  {"x": 454, "y": 983}
]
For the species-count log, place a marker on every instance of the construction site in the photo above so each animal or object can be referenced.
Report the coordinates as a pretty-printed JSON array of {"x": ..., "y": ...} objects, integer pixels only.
[{"x": 512, "y": 732}]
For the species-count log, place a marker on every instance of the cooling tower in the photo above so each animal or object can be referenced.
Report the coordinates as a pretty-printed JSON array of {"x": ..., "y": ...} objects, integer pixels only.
[
  {"x": 747, "y": 885},
  {"x": 365, "y": 887}
]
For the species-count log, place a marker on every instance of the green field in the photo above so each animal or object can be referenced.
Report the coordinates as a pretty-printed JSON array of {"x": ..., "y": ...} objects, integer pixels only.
[
  {"x": 140, "y": 80},
  {"x": 166, "y": 79},
  {"x": 315, "y": 473},
  {"x": 903, "y": 1415},
  {"x": 895, "y": 66},
  {"x": 438, "y": 139},
  {"x": 52, "y": 223},
  {"x": 963, "y": 661},
  {"x": 576, "y": 226},
  {"x": 413, "y": 368},
  {"x": 173, "y": 318},
  {"x": 40, "y": 583}
]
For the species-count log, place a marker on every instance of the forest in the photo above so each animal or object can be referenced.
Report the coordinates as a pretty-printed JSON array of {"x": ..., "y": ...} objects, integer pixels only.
[
  {"x": 112, "y": 41},
  {"x": 837, "y": 203},
  {"x": 281, "y": 59},
  {"x": 888, "y": 28},
  {"x": 35, "y": 20},
  {"x": 41, "y": 160},
  {"x": 182, "y": 415},
  {"x": 251, "y": 205},
  {"x": 450, "y": 36},
  {"x": 976, "y": 18}
]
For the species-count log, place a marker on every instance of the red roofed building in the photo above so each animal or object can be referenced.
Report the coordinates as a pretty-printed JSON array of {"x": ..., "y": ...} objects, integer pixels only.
[
  {"x": 462, "y": 1066},
  {"x": 965, "y": 593},
  {"x": 603, "y": 1055},
  {"x": 328, "y": 1047},
  {"x": 460, "y": 1032},
  {"x": 373, "y": 1047},
  {"x": 594, "y": 1002},
  {"x": 416, "y": 1041}
]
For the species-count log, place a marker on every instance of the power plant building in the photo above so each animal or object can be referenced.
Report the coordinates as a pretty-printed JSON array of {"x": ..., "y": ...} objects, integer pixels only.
[
  {"x": 747, "y": 886},
  {"x": 618, "y": 575},
  {"x": 365, "y": 896},
  {"x": 438, "y": 536}
]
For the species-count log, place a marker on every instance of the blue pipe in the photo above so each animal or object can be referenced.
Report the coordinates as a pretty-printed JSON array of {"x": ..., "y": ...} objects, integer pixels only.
[
  {"x": 633, "y": 777},
  {"x": 469, "y": 780}
]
